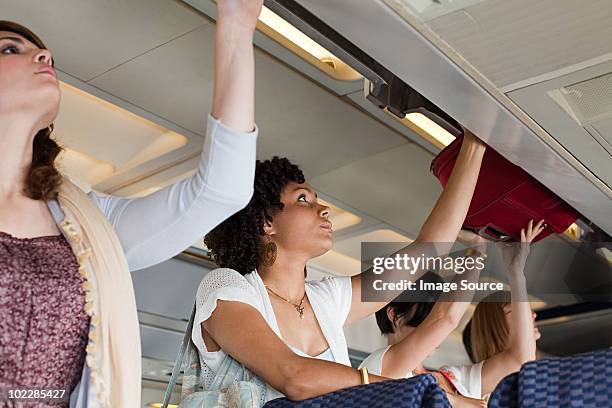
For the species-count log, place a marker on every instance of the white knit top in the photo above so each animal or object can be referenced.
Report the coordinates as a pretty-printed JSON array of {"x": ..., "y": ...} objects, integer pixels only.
[{"x": 330, "y": 299}]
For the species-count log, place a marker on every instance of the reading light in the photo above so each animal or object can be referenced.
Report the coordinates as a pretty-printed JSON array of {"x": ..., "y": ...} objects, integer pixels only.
[
  {"x": 283, "y": 32},
  {"x": 413, "y": 110},
  {"x": 431, "y": 128},
  {"x": 294, "y": 35},
  {"x": 574, "y": 232},
  {"x": 426, "y": 128}
]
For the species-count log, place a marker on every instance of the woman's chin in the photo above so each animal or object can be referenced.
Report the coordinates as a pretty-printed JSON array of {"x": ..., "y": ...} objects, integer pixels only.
[
  {"x": 50, "y": 103},
  {"x": 324, "y": 248},
  {"x": 329, "y": 244}
]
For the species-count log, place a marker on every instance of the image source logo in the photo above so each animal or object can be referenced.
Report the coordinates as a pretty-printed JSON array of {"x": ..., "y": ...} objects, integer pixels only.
[
  {"x": 555, "y": 271},
  {"x": 412, "y": 264}
]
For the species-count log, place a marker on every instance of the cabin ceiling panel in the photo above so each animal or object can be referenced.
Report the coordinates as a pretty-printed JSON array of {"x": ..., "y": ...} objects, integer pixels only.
[
  {"x": 174, "y": 81},
  {"x": 88, "y": 38},
  {"x": 584, "y": 132},
  {"x": 394, "y": 186},
  {"x": 321, "y": 134},
  {"x": 296, "y": 117},
  {"x": 85, "y": 121},
  {"x": 513, "y": 41}
]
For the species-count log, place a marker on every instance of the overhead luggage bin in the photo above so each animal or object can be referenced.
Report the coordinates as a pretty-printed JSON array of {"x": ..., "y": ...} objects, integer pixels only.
[{"x": 399, "y": 50}]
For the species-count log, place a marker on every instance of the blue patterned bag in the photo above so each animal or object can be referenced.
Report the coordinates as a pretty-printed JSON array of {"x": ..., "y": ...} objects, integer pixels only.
[{"x": 234, "y": 386}]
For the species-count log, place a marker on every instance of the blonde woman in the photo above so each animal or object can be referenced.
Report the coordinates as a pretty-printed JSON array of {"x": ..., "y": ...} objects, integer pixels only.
[
  {"x": 489, "y": 330},
  {"x": 67, "y": 307}
]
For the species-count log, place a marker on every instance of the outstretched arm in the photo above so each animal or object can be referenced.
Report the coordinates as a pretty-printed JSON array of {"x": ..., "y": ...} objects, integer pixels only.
[
  {"x": 522, "y": 342},
  {"x": 154, "y": 228},
  {"x": 448, "y": 214},
  {"x": 234, "y": 93},
  {"x": 444, "y": 317},
  {"x": 440, "y": 230}
]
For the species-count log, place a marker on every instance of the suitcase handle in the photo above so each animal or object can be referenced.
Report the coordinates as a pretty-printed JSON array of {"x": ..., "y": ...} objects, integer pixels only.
[{"x": 493, "y": 234}]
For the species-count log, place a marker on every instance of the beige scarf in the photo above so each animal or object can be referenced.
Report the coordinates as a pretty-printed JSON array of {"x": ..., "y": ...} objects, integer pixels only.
[{"x": 113, "y": 349}]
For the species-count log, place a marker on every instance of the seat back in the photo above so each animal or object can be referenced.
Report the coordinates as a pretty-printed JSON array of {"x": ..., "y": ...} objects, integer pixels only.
[{"x": 415, "y": 392}]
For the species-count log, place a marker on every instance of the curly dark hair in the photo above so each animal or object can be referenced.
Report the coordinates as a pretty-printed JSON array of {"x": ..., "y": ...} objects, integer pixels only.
[
  {"x": 43, "y": 179},
  {"x": 236, "y": 243}
]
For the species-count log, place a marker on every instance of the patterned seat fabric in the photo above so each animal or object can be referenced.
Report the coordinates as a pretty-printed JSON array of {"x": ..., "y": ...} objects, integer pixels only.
[
  {"x": 506, "y": 393},
  {"x": 583, "y": 380},
  {"x": 415, "y": 392}
]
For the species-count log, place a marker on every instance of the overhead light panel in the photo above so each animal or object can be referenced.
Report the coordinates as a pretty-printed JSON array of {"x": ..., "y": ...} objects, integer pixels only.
[
  {"x": 413, "y": 110},
  {"x": 88, "y": 169},
  {"x": 272, "y": 20},
  {"x": 289, "y": 36},
  {"x": 102, "y": 140},
  {"x": 429, "y": 129},
  {"x": 574, "y": 232}
]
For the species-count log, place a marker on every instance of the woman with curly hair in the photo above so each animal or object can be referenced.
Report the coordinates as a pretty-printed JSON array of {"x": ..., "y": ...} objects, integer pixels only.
[
  {"x": 67, "y": 306},
  {"x": 258, "y": 307}
]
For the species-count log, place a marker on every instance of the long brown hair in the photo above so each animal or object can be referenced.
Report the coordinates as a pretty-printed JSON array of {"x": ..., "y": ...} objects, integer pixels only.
[
  {"x": 43, "y": 179},
  {"x": 489, "y": 332}
]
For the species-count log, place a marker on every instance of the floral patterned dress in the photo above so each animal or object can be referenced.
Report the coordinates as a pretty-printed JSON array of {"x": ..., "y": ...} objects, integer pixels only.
[{"x": 43, "y": 326}]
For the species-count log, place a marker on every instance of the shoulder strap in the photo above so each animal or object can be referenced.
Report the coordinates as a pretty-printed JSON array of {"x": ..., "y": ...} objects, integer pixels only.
[{"x": 179, "y": 359}]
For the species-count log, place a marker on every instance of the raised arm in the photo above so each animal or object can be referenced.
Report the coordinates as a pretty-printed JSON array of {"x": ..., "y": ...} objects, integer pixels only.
[
  {"x": 154, "y": 228},
  {"x": 234, "y": 94},
  {"x": 241, "y": 331},
  {"x": 444, "y": 317},
  {"x": 448, "y": 214},
  {"x": 440, "y": 230},
  {"x": 522, "y": 341}
]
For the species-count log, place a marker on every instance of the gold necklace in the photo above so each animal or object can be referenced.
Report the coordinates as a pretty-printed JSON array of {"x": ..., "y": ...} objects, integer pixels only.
[{"x": 298, "y": 307}]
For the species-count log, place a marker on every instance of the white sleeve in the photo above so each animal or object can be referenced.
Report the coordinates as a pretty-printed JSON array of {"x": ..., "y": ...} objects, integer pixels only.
[
  {"x": 466, "y": 379},
  {"x": 337, "y": 292},
  {"x": 154, "y": 228},
  {"x": 373, "y": 362},
  {"x": 223, "y": 284}
]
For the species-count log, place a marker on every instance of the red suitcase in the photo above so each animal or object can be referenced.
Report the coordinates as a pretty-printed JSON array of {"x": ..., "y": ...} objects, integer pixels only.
[{"x": 506, "y": 197}]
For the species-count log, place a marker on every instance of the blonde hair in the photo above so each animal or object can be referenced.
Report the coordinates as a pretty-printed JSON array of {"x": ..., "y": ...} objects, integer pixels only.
[{"x": 489, "y": 332}]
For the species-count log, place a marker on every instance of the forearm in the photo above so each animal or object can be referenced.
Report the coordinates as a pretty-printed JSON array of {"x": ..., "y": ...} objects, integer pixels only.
[
  {"x": 462, "y": 298},
  {"x": 522, "y": 345},
  {"x": 234, "y": 89},
  {"x": 309, "y": 377},
  {"x": 448, "y": 214},
  {"x": 408, "y": 354},
  {"x": 454, "y": 303}
]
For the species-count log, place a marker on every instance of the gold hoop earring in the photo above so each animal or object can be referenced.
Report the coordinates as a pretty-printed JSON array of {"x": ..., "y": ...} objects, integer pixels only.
[{"x": 269, "y": 250}]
